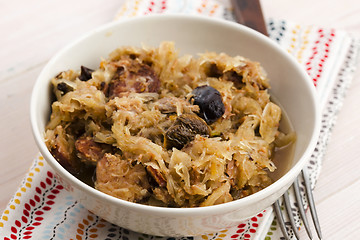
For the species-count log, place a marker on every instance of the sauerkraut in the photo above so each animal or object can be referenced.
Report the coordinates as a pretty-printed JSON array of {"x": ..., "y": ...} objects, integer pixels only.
[{"x": 152, "y": 127}]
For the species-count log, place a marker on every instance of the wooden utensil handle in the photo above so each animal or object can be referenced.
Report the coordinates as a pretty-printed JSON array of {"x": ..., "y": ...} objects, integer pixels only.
[{"x": 249, "y": 13}]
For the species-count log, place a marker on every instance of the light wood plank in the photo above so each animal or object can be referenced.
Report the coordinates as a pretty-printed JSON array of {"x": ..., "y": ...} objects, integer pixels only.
[{"x": 34, "y": 33}]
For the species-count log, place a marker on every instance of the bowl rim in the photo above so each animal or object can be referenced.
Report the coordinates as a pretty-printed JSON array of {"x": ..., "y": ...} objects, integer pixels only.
[{"x": 176, "y": 212}]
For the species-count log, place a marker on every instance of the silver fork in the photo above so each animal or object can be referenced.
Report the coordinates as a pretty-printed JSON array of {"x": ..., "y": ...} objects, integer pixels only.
[
  {"x": 249, "y": 13},
  {"x": 300, "y": 208}
]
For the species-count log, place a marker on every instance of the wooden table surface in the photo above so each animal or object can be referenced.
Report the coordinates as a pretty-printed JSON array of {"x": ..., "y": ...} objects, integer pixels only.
[{"x": 33, "y": 31}]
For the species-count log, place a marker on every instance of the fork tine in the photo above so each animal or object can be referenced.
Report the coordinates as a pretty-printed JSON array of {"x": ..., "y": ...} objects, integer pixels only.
[
  {"x": 280, "y": 218},
  {"x": 301, "y": 207},
  {"x": 311, "y": 202},
  {"x": 290, "y": 214}
]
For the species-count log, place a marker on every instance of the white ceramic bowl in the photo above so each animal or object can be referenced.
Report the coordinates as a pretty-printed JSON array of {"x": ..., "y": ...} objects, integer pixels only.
[{"x": 191, "y": 34}]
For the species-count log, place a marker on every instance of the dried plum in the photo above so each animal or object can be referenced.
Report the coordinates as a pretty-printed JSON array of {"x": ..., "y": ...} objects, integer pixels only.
[{"x": 210, "y": 102}]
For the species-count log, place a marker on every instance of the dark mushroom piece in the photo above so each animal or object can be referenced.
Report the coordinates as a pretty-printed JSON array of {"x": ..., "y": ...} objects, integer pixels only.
[
  {"x": 210, "y": 103},
  {"x": 184, "y": 130},
  {"x": 63, "y": 88},
  {"x": 85, "y": 73}
]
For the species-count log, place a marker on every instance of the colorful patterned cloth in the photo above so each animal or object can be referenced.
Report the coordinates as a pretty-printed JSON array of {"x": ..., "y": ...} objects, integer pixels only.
[{"x": 42, "y": 209}]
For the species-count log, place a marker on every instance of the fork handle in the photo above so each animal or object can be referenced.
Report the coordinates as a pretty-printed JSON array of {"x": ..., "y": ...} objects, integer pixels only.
[{"x": 311, "y": 202}]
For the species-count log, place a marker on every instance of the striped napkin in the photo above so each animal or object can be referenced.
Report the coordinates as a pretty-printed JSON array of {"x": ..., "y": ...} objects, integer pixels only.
[{"x": 42, "y": 209}]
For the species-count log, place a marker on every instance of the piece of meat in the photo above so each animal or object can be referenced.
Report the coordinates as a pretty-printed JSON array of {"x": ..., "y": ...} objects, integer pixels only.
[
  {"x": 62, "y": 150},
  {"x": 89, "y": 151},
  {"x": 63, "y": 158},
  {"x": 163, "y": 195},
  {"x": 132, "y": 76},
  {"x": 232, "y": 172},
  {"x": 157, "y": 176},
  {"x": 117, "y": 177},
  {"x": 175, "y": 105}
]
